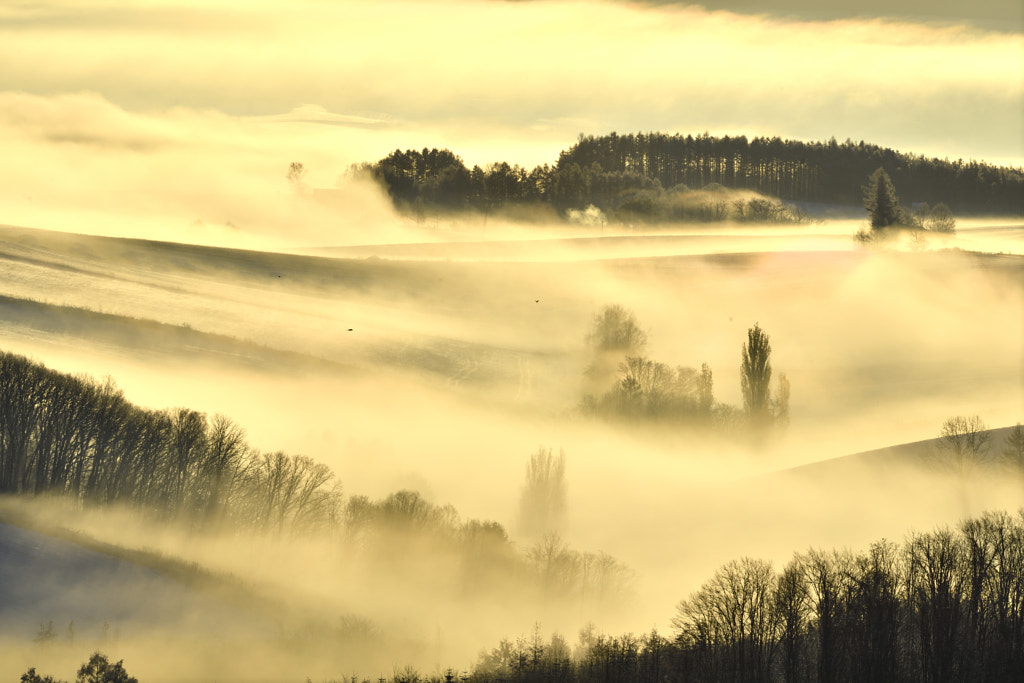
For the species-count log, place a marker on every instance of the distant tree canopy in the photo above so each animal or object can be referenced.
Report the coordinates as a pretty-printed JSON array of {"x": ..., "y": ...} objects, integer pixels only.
[{"x": 659, "y": 177}]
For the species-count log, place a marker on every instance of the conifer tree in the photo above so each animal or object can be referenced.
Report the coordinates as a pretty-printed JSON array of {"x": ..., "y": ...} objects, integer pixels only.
[{"x": 880, "y": 200}]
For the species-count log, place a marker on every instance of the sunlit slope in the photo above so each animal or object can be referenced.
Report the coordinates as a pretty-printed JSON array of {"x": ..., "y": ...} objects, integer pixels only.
[{"x": 865, "y": 336}]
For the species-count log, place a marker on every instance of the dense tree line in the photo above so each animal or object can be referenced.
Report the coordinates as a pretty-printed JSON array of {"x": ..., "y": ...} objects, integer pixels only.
[
  {"x": 944, "y": 606},
  {"x": 75, "y": 437},
  {"x": 656, "y": 176}
]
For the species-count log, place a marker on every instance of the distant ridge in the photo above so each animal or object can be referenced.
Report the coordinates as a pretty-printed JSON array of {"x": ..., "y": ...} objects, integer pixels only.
[
  {"x": 914, "y": 453},
  {"x": 653, "y": 177}
]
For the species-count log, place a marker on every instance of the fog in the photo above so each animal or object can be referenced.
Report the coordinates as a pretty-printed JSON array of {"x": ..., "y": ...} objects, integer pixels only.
[
  {"x": 149, "y": 233},
  {"x": 440, "y": 366}
]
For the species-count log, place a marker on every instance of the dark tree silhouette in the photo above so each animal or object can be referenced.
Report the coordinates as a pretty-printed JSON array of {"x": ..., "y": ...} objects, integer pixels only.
[
  {"x": 964, "y": 440},
  {"x": 1013, "y": 449},
  {"x": 756, "y": 374},
  {"x": 880, "y": 200},
  {"x": 99, "y": 670},
  {"x": 657, "y": 177}
]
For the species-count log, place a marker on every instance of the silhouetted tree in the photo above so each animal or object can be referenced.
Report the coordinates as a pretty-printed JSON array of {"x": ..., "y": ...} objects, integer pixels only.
[
  {"x": 873, "y": 619},
  {"x": 732, "y": 623},
  {"x": 964, "y": 440},
  {"x": 31, "y": 676},
  {"x": 936, "y": 584},
  {"x": 615, "y": 329},
  {"x": 614, "y": 335},
  {"x": 99, "y": 670},
  {"x": 880, "y": 200},
  {"x": 296, "y": 176},
  {"x": 940, "y": 219},
  {"x": 756, "y": 375},
  {"x": 825, "y": 574},
  {"x": 542, "y": 502},
  {"x": 792, "y": 599},
  {"x": 1013, "y": 449}
]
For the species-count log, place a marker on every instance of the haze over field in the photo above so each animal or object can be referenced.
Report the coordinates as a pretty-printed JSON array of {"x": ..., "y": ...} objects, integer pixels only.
[{"x": 148, "y": 233}]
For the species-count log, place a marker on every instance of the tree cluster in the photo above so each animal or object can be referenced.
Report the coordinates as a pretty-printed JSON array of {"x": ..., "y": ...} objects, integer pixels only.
[
  {"x": 97, "y": 670},
  {"x": 478, "y": 555},
  {"x": 660, "y": 177},
  {"x": 942, "y": 607},
  {"x": 645, "y": 389},
  {"x": 884, "y": 208}
]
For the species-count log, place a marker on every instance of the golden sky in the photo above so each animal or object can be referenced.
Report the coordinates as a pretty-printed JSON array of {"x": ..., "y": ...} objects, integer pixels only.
[{"x": 216, "y": 98}]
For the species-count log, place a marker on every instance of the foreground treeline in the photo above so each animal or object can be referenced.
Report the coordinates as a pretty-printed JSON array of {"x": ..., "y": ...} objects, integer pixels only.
[
  {"x": 942, "y": 607},
  {"x": 661, "y": 177}
]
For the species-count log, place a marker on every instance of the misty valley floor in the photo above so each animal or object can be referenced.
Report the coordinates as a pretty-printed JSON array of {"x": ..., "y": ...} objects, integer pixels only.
[{"x": 440, "y": 367}]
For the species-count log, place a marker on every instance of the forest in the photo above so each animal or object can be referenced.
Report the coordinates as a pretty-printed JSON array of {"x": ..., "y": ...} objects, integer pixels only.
[{"x": 657, "y": 177}]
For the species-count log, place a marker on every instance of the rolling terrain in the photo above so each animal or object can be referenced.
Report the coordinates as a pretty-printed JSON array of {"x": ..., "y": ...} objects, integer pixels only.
[{"x": 476, "y": 347}]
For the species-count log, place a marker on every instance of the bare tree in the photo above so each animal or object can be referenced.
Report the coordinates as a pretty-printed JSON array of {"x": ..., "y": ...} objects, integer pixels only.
[
  {"x": 792, "y": 606},
  {"x": 615, "y": 329},
  {"x": 613, "y": 336},
  {"x": 732, "y": 619},
  {"x": 937, "y": 585},
  {"x": 542, "y": 502},
  {"x": 1013, "y": 448},
  {"x": 222, "y": 465},
  {"x": 964, "y": 440}
]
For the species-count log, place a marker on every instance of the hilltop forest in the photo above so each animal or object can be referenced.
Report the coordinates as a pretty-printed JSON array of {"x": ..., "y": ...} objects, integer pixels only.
[{"x": 658, "y": 177}]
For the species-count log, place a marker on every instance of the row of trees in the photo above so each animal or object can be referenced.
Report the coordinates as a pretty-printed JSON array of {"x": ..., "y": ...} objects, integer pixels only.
[
  {"x": 75, "y": 437},
  {"x": 653, "y": 177},
  {"x": 943, "y": 606},
  {"x": 434, "y": 179},
  {"x": 82, "y": 440},
  {"x": 622, "y": 383}
]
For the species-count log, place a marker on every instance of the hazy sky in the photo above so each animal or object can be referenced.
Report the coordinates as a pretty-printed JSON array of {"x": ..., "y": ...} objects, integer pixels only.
[{"x": 340, "y": 82}]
